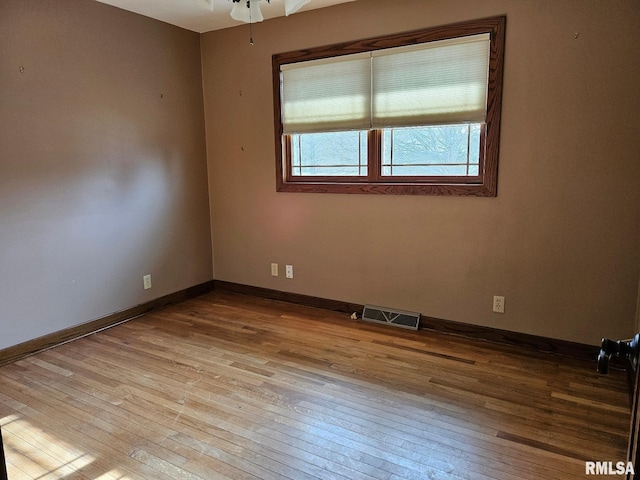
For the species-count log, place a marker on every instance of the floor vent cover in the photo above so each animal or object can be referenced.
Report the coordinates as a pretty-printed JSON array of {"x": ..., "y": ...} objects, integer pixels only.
[{"x": 397, "y": 318}]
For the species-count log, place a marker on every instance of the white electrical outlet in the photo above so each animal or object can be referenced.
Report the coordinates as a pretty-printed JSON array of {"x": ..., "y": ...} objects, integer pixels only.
[
  {"x": 498, "y": 304},
  {"x": 289, "y": 271},
  {"x": 274, "y": 269},
  {"x": 146, "y": 280}
]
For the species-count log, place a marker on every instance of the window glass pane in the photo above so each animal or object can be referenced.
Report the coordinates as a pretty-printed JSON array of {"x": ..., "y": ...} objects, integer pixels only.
[
  {"x": 474, "y": 146},
  {"x": 329, "y": 154},
  {"x": 443, "y": 150},
  {"x": 430, "y": 170},
  {"x": 330, "y": 171}
]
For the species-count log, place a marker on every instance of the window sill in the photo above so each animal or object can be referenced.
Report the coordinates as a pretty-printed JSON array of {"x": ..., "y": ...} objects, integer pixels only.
[{"x": 441, "y": 189}]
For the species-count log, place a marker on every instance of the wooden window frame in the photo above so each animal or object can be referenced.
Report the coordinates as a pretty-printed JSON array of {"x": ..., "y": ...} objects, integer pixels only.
[{"x": 484, "y": 185}]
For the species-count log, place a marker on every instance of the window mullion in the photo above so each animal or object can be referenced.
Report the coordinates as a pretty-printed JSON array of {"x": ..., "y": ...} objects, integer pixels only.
[
  {"x": 375, "y": 155},
  {"x": 468, "y": 147},
  {"x": 288, "y": 146}
]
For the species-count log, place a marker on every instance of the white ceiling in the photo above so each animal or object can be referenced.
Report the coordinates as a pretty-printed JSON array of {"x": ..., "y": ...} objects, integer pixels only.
[{"x": 196, "y": 15}]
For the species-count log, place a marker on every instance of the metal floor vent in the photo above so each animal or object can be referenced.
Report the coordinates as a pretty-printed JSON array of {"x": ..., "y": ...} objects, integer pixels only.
[{"x": 397, "y": 318}]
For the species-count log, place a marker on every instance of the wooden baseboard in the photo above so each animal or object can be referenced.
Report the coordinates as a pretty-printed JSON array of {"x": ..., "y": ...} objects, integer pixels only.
[
  {"x": 521, "y": 340},
  {"x": 297, "y": 298},
  {"x": 576, "y": 350},
  {"x": 11, "y": 354}
]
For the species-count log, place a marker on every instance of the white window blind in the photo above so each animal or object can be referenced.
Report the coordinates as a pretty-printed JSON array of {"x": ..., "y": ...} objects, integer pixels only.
[
  {"x": 430, "y": 83},
  {"x": 327, "y": 94}
]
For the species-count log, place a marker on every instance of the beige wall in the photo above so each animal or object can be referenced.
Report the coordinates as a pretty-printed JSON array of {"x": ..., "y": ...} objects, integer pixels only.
[
  {"x": 559, "y": 241},
  {"x": 103, "y": 173},
  {"x": 102, "y": 164}
]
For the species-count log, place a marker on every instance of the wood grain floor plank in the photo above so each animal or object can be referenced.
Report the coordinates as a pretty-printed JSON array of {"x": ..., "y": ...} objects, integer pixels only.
[
  {"x": 185, "y": 411},
  {"x": 228, "y": 386},
  {"x": 60, "y": 428},
  {"x": 261, "y": 401}
]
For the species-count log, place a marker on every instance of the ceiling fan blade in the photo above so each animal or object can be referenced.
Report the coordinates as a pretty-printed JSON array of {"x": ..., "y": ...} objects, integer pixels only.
[{"x": 292, "y": 6}]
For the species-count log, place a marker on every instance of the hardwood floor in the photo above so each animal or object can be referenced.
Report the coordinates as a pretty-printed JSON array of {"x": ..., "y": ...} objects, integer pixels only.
[{"x": 235, "y": 387}]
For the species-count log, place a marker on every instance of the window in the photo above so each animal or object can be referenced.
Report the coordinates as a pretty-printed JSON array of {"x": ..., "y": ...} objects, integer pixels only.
[{"x": 414, "y": 113}]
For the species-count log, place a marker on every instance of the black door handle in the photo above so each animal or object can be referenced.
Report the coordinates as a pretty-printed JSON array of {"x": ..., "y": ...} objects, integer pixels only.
[{"x": 625, "y": 349}]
